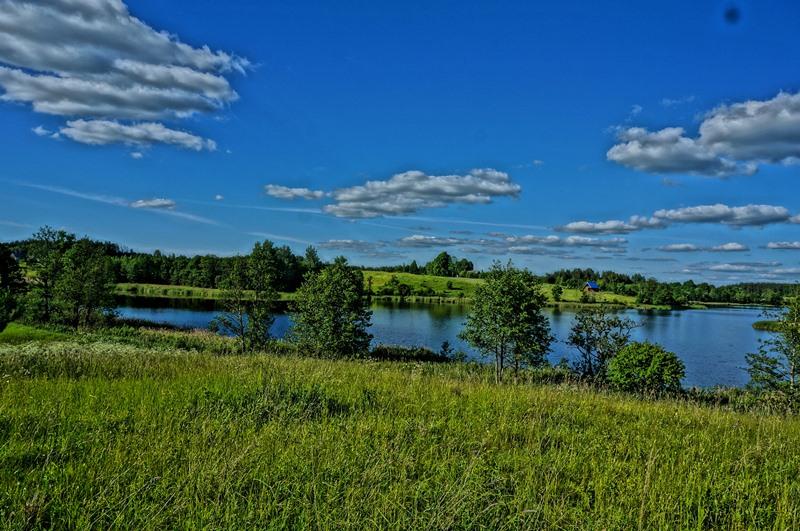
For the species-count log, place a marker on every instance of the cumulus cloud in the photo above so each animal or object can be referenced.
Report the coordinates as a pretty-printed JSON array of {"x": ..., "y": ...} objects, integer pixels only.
[
  {"x": 94, "y": 59},
  {"x": 408, "y": 192},
  {"x": 730, "y": 247},
  {"x": 747, "y": 215},
  {"x": 284, "y": 192},
  {"x": 785, "y": 246},
  {"x": 670, "y": 151},
  {"x": 680, "y": 248},
  {"x": 102, "y": 132},
  {"x": 137, "y": 155},
  {"x": 219, "y": 197},
  {"x": 153, "y": 203},
  {"x": 732, "y": 139},
  {"x": 635, "y": 223}
]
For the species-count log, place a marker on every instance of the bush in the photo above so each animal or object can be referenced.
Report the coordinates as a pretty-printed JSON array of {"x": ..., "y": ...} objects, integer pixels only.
[{"x": 646, "y": 368}]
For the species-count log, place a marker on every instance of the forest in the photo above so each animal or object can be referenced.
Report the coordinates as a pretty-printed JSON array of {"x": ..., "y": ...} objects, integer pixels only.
[{"x": 207, "y": 271}]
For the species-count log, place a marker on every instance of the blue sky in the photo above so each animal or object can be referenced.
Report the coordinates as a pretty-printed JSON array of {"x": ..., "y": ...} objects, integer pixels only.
[{"x": 487, "y": 129}]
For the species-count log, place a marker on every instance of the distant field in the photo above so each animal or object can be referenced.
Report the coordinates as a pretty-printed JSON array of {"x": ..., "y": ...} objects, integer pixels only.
[
  {"x": 461, "y": 288},
  {"x": 101, "y": 434}
]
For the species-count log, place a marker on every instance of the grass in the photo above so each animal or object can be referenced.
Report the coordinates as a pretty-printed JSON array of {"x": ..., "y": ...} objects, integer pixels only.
[
  {"x": 768, "y": 326},
  {"x": 98, "y": 433},
  {"x": 16, "y": 333},
  {"x": 169, "y": 291},
  {"x": 461, "y": 289}
]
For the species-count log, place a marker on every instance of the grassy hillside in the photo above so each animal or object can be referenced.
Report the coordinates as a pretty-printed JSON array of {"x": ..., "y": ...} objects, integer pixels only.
[
  {"x": 460, "y": 288},
  {"x": 101, "y": 434}
]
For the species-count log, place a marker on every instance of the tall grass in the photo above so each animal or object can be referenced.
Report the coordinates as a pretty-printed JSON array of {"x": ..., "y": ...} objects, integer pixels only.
[{"x": 100, "y": 434}]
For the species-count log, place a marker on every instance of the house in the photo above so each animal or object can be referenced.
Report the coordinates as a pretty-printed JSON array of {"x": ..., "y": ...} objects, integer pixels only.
[{"x": 591, "y": 287}]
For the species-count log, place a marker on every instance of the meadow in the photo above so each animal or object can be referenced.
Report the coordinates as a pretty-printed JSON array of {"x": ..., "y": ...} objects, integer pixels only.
[
  {"x": 143, "y": 429},
  {"x": 443, "y": 289}
]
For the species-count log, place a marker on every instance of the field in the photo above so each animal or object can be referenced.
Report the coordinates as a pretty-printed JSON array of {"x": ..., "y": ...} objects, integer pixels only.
[
  {"x": 461, "y": 288},
  {"x": 97, "y": 432}
]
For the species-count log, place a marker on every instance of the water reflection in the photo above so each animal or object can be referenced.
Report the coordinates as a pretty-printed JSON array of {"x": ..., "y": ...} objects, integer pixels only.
[{"x": 712, "y": 343}]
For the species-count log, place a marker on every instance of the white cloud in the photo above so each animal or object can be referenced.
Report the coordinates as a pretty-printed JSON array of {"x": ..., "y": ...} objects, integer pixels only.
[
  {"x": 671, "y": 102},
  {"x": 41, "y": 131},
  {"x": 284, "y": 192},
  {"x": 408, "y": 192},
  {"x": 159, "y": 206},
  {"x": 787, "y": 246},
  {"x": 419, "y": 240},
  {"x": 752, "y": 215},
  {"x": 219, "y": 197},
  {"x": 732, "y": 139},
  {"x": 93, "y": 59},
  {"x": 102, "y": 132},
  {"x": 669, "y": 151},
  {"x": 615, "y": 226},
  {"x": 137, "y": 155},
  {"x": 680, "y": 248},
  {"x": 359, "y": 246},
  {"x": 153, "y": 203},
  {"x": 690, "y": 247},
  {"x": 730, "y": 247}
]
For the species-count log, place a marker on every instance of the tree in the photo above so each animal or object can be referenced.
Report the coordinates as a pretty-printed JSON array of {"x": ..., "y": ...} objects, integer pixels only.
[
  {"x": 45, "y": 261},
  {"x": 236, "y": 304},
  {"x": 331, "y": 313},
  {"x": 505, "y": 320},
  {"x": 440, "y": 266},
  {"x": 646, "y": 368},
  {"x": 311, "y": 260},
  {"x": 776, "y": 366},
  {"x": 262, "y": 273},
  {"x": 83, "y": 290},
  {"x": 598, "y": 335},
  {"x": 12, "y": 284},
  {"x": 557, "y": 292}
]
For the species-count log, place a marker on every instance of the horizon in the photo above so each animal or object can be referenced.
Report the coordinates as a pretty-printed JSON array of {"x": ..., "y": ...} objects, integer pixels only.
[{"x": 388, "y": 134}]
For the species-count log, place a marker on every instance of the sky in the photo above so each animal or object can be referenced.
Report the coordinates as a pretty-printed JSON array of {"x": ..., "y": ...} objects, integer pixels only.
[{"x": 661, "y": 139}]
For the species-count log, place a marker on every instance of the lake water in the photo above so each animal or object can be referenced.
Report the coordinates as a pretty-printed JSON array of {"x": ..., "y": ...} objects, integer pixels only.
[{"x": 712, "y": 343}]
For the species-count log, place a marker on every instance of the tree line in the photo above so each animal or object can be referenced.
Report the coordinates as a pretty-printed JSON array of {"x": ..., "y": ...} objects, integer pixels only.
[
  {"x": 208, "y": 271},
  {"x": 652, "y": 291},
  {"x": 443, "y": 265}
]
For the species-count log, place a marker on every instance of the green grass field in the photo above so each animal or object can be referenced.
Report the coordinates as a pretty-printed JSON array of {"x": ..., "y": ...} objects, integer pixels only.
[
  {"x": 462, "y": 288},
  {"x": 99, "y": 433}
]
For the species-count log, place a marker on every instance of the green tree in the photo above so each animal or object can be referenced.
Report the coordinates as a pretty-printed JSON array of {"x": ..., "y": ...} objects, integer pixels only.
[
  {"x": 331, "y": 313},
  {"x": 262, "y": 274},
  {"x": 506, "y": 322},
  {"x": 440, "y": 266},
  {"x": 646, "y": 368},
  {"x": 84, "y": 287},
  {"x": 776, "y": 366},
  {"x": 45, "y": 255},
  {"x": 12, "y": 284},
  {"x": 312, "y": 263},
  {"x": 598, "y": 335},
  {"x": 236, "y": 303},
  {"x": 557, "y": 292}
]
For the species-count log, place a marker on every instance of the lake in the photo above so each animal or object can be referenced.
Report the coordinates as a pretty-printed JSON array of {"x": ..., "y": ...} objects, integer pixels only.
[{"x": 712, "y": 343}]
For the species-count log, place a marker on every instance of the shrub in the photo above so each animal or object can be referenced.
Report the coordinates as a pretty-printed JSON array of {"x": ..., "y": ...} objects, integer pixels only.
[{"x": 647, "y": 369}]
